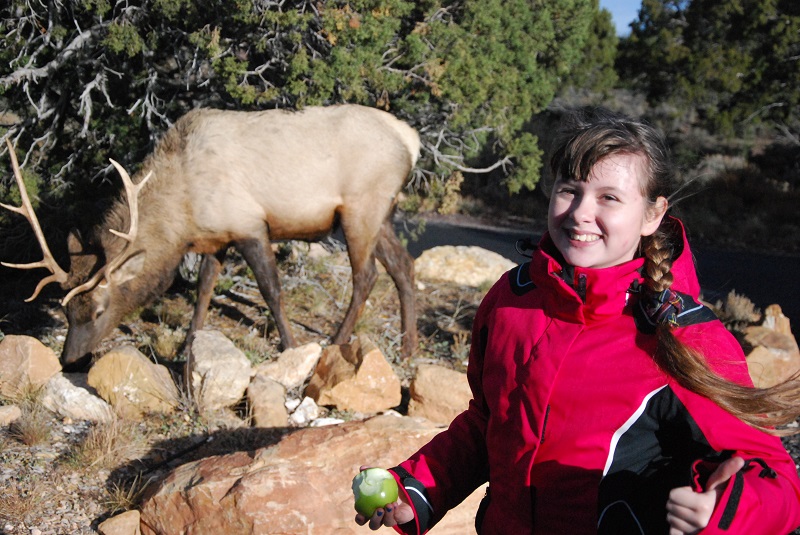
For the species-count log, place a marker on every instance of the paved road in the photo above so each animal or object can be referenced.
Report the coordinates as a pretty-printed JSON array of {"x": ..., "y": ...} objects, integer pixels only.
[{"x": 764, "y": 278}]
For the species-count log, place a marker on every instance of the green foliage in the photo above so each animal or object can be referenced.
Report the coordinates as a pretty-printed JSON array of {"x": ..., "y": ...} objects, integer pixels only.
[
  {"x": 527, "y": 176},
  {"x": 123, "y": 38},
  {"x": 595, "y": 71},
  {"x": 737, "y": 62}
]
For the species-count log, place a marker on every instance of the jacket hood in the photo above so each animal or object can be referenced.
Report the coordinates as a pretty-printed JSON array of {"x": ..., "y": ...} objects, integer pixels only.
[{"x": 588, "y": 294}]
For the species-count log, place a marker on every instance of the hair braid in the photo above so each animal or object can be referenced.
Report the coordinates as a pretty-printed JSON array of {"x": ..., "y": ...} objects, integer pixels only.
[
  {"x": 762, "y": 408},
  {"x": 657, "y": 252}
]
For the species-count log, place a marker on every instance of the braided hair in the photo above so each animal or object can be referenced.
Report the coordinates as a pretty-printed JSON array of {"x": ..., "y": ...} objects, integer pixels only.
[{"x": 591, "y": 134}]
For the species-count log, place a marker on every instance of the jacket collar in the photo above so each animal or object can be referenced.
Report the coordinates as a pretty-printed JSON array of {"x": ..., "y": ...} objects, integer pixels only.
[{"x": 587, "y": 295}]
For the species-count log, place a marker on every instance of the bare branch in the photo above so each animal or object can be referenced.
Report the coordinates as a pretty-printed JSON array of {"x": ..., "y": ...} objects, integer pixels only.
[
  {"x": 34, "y": 74},
  {"x": 85, "y": 108},
  {"x": 790, "y": 136}
]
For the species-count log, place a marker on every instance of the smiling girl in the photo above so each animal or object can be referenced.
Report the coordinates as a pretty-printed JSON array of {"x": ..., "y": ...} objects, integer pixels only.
[{"x": 606, "y": 397}]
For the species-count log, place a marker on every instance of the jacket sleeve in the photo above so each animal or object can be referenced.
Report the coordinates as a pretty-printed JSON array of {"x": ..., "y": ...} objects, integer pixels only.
[
  {"x": 454, "y": 463},
  {"x": 764, "y": 497}
]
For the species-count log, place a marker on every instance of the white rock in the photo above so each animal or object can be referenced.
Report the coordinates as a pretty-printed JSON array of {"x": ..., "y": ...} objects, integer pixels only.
[
  {"x": 68, "y": 396},
  {"x": 305, "y": 412}
]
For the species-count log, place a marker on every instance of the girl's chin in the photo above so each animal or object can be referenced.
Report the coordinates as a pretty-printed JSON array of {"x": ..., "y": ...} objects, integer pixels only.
[
  {"x": 585, "y": 256},
  {"x": 580, "y": 260},
  {"x": 584, "y": 259}
]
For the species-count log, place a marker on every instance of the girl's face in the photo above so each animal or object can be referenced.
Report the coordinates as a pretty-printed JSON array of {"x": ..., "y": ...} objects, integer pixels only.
[{"x": 599, "y": 223}]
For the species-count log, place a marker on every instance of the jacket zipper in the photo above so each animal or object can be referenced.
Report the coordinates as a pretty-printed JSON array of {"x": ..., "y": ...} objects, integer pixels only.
[{"x": 544, "y": 424}]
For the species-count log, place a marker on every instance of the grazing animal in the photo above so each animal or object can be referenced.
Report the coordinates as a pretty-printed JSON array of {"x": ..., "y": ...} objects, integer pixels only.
[{"x": 228, "y": 178}]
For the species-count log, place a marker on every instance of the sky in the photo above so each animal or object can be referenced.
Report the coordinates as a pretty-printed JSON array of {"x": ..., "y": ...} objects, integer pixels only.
[{"x": 622, "y": 13}]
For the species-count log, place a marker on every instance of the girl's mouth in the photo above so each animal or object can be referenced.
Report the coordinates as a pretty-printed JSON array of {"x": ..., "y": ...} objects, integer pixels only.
[{"x": 583, "y": 237}]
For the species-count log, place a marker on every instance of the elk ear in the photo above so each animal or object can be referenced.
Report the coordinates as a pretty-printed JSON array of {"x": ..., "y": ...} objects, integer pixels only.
[{"x": 131, "y": 268}]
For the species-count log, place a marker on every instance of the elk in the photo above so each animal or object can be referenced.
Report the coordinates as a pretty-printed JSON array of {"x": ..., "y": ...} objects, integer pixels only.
[{"x": 232, "y": 178}]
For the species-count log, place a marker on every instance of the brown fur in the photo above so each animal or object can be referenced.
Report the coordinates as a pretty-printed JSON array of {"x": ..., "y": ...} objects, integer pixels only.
[{"x": 223, "y": 178}]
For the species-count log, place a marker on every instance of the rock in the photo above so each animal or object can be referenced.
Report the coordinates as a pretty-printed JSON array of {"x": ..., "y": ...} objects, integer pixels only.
[
  {"x": 132, "y": 384},
  {"x": 224, "y": 418},
  {"x": 68, "y": 396},
  {"x": 322, "y": 422},
  {"x": 295, "y": 486},
  {"x": 355, "y": 377},
  {"x": 428, "y": 398},
  {"x": 775, "y": 356},
  {"x": 266, "y": 399},
  {"x": 293, "y": 366},
  {"x": 312, "y": 250},
  {"x": 220, "y": 372},
  {"x": 9, "y": 414},
  {"x": 774, "y": 319},
  {"x": 465, "y": 265},
  {"x": 25, "y": 366},
  {"x": 126, "y": 523},
  {"x": 305, "y": 412}
]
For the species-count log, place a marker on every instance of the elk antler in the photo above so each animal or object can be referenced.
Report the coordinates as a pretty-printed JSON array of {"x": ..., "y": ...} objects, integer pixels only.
[
  {"x": 49, "y": 262},
  {"x": 58, "y": 274},
  {"x": 132, "y": 194}
]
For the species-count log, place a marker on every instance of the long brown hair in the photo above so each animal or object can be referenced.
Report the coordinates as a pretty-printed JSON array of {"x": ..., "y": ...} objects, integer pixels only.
[{"x": 589, "y": 135}]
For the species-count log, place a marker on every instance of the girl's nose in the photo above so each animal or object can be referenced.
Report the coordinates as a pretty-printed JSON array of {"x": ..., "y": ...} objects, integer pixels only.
[{"x": 582, "y": 209}]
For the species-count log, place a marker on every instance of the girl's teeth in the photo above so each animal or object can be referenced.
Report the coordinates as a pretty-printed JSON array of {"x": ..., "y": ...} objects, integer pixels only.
[{"x": 584, "y": 237}]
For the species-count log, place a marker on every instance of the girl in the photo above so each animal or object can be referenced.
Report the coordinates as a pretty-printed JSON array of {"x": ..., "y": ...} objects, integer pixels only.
[{"x": 606, "y": 398}]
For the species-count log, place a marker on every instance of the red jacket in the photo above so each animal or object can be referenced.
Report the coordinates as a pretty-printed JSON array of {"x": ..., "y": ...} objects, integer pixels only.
[{"x": 576, "y": 429}]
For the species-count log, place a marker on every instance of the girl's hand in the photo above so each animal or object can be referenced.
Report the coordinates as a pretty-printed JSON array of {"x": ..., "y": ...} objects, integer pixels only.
[
  {"x": 395, "y": 513},
  {"x": 688, "y": 511}
]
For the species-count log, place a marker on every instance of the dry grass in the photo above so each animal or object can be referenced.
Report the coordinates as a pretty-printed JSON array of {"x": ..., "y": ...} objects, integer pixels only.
[
  {"x": 108, "y": 445},
  {"x": 125, "y": 495},
  {"x": 33, "y": 426},
  {"x": 21, "y": 502}
]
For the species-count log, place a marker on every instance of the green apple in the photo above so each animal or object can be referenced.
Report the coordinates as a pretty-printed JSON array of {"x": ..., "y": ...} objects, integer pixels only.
[{"x": 373, "y": 488}]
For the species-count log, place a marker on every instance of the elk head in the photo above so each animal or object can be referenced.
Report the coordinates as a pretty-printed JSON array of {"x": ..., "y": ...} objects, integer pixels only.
[{"x": 89, "y": 285}]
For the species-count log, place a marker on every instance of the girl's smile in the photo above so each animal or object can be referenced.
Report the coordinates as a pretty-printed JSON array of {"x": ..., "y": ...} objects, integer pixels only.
[{"x": 599, "y": 223}]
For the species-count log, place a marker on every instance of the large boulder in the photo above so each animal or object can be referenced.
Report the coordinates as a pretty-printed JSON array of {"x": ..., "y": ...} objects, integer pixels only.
[{"x": 300, "y": 485}]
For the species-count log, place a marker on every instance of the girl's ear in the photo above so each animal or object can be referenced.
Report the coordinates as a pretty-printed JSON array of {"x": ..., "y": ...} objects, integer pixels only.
[{"x": 655, "y": 213}]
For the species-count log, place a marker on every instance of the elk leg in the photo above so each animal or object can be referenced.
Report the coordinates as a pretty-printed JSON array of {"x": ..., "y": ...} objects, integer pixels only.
[
  {"x": 400, "y": 266},
  {"x": 210, "y": 266},
  {"x": 259, "y": 256},
  {"x": 365, "y": 274}
]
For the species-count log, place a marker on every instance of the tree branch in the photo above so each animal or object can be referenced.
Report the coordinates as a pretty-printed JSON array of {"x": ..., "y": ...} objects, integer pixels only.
[{"x": 33, "y": 74}]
